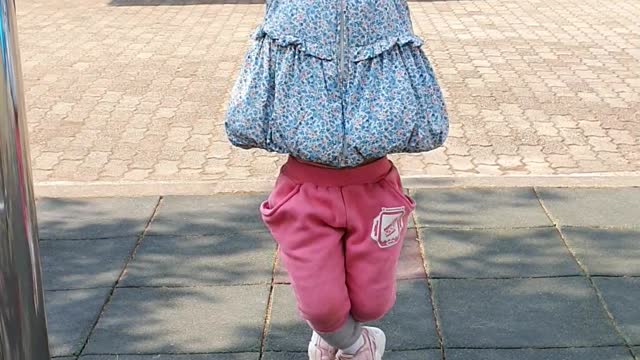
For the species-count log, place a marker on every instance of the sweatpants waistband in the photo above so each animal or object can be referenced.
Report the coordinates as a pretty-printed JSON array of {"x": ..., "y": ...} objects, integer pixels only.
[{"x": 307, "y": 173}]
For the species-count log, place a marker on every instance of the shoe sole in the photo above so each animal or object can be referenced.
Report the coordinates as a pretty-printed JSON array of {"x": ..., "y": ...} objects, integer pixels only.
[
  {"x": 382, "y": 346},
  {"x": 311, "y": 353}
]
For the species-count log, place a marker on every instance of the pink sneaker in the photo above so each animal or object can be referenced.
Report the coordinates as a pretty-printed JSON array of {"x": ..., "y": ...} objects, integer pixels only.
[
  {"x": 373, "y": 348},
  {"x": 320, "y": 350}
]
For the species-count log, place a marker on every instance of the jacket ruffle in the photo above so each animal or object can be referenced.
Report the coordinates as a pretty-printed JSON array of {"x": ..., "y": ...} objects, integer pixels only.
[
  {"x": 372, "y": 50},
  {"x": 317, "y": 50}
]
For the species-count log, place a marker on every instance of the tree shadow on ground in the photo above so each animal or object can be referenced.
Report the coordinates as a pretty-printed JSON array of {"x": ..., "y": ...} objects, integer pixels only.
[
  {"x": 178, "y": 287},
  {"x": 187, "y": 290},
  {"x": 479, "y": 208},
  {"x": 500, "y": 253}
]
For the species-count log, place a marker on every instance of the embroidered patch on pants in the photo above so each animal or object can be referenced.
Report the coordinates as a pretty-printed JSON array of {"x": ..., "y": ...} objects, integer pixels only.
[{"x": 387, "y": 226}]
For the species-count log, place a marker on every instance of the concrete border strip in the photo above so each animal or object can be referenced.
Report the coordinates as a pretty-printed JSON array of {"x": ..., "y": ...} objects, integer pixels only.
[{"x": 70, "y": 189}]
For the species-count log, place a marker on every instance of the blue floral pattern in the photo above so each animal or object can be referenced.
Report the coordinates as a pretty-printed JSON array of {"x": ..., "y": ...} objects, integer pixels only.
[{"x": 292, "y": 97}]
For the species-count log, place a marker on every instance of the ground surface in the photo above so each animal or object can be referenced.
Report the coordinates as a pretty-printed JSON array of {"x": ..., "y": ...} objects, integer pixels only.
[
  {"x": 135, "y": 90},
  {"x": 511, "y": 274}
]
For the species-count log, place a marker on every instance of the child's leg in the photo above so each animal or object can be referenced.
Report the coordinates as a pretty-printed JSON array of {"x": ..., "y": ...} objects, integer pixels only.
[
  {"x": 307, "y": 223},
  {"x": 345, "y": 336},
  {"x": 378, "y": 215},
  {"x": 315, "y": 219}
]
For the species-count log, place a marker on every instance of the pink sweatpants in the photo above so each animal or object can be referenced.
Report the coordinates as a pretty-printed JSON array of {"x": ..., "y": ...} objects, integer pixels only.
[{"x": 339, "y": 232}]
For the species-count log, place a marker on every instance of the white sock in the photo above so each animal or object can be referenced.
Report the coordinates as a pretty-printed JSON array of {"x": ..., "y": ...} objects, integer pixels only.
[{"x": 355, "y": 347}]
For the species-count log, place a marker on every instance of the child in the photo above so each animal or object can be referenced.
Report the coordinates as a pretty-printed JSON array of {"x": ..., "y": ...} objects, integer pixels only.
[{"x": 338, "y": 85}]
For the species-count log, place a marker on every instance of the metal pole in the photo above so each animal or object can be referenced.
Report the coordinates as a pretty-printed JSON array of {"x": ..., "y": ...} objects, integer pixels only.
[{"x": 23, "y": 330}]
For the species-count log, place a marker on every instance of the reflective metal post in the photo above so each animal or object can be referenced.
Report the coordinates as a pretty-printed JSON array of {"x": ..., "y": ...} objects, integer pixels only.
[{"x": 23, "y": 330}]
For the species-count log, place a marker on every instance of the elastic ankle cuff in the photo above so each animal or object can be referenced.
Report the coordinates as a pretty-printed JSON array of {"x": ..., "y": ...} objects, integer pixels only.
[{"x": 345, "y": 336}]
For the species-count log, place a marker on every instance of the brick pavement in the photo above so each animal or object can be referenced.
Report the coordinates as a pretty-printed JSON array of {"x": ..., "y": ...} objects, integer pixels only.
[{"x": 137, "y": 93}]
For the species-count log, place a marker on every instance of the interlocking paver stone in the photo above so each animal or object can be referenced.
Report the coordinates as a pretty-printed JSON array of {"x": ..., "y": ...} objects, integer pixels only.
[
  {"x": 593, "y": 207},
  {"x": 181, "y": 320},
  {"x": 551, "y": 312},
  {"x": 77, "y": 264},
  {"x": 606, "y": 252},
  {"x": 242, "y": 356},
  {"x": 70, "y": 316},
  {"x": 205, "y": 215},
  {"x": 621, "y": 296},
  {"x": 93, "y": 218},
  {"x": 409, "y": 325},
  {"x": 479, "y": 208},
  {"x": 496, "y": 253},
  {"x": 233, "y": 258},
  {"x": 608, "y": 353}
]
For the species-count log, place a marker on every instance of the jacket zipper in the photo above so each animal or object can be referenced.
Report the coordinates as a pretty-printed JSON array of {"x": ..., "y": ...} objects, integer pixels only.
[
  {"x": 341, "y": 71},
  {"x": 341, "y": 43}
]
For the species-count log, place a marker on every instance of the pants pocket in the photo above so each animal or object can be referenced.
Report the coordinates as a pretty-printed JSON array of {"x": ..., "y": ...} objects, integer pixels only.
[
  {"x": 284, "y": 190},
  {"x": 394, "y": 183}
]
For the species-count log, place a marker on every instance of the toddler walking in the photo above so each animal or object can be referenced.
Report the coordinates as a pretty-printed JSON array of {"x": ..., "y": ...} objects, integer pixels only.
[{"x": 338, "y": 85}]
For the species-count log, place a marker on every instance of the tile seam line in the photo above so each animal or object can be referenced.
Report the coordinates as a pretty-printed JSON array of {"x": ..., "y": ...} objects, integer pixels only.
[
  {"x": 534, "y": 227},
  {"x": 263, "y": 284},
  {"x": 432, "y": 300},
  {"x": 600, "y": 227},
  {"x": 386, "y": 350},
  {"x": 267, "y": 315},
  {"x": 605, "y": 346},
  {"x": 471, "y": 228},
  {"x": 589, "y": 278},
  {"x": 397, "y": 350},
  {"x": 155, "y": 235},
  {"x": 169, "y": 353},
  {"x": 114, "y": 286},
  {"x": 536, "y": 347},
  {"x": 209, "y": 286},
  {"x": 115, "y": 238},
  {"x": 403, "y": 279},
  {"x": 511, "y": 277}
]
